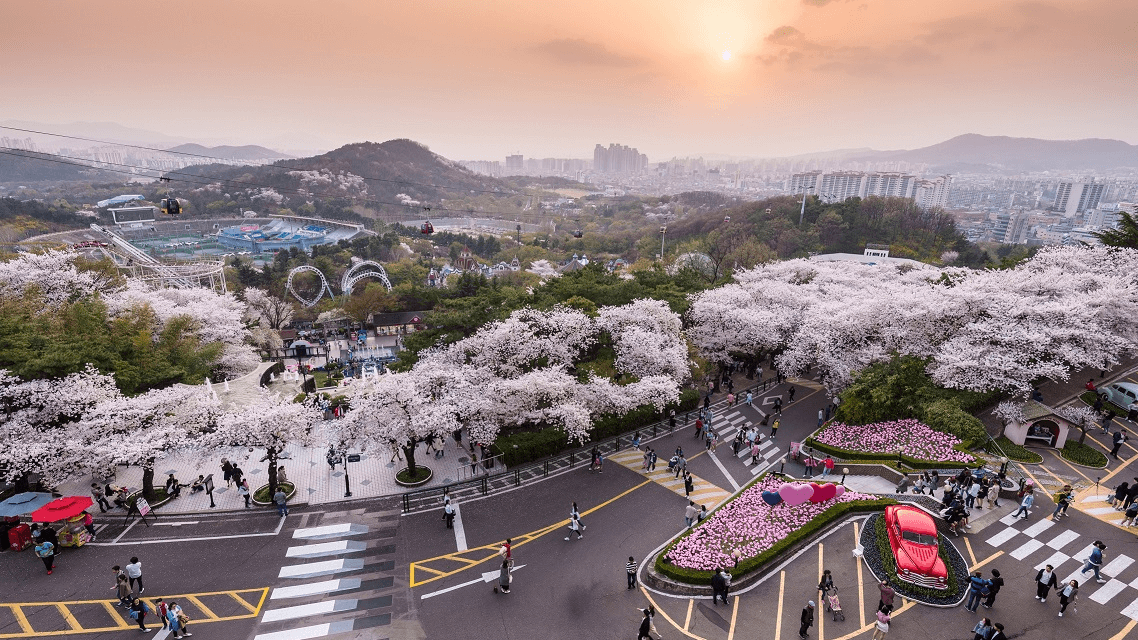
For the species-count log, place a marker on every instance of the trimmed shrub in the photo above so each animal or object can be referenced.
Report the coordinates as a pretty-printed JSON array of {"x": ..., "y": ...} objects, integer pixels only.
[
  {"x": 1013, "y": 451},
  {"x": 861, "y": 456},
  {"x": 1083, "y": 454},
  {"x": 946, "y": 416}
]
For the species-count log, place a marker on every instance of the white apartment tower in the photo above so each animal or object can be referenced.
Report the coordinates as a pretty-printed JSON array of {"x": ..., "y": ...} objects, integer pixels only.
[
  {"x": 1076, "y": 197},
  {"x": 933, "y": 193}
]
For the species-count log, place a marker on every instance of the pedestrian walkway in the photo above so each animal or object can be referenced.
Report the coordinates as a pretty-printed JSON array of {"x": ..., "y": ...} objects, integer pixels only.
[
  {"x": 1044, "y": 542},
  {"x": 705, "y": 492}
]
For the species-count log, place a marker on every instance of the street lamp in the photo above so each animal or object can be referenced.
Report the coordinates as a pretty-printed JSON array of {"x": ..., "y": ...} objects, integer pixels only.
[
  {"x": 1003, "y": 467},
  {"x": 353, "y": 457},
  {"x": 845, "y": 472},
  {"x": 663, "y": 230}
]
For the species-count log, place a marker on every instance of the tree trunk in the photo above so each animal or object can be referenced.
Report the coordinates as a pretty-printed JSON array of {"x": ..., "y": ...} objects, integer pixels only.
[
  {"x": 22, "y": 483},
  {"x": 148, "y": 480},
  {"x": 271, "y": 453},
  {"x": 1083, "y": 435},
  {"x": 409, "y": 451}
]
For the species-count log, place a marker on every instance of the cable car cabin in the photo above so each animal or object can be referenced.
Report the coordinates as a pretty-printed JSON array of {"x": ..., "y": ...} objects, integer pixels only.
[
  {"x": 727, "y": 218},
  {"x": 578, "y": 233},
  {"x": 171, "y": 206},
  {"x": 427, "y": 228}
]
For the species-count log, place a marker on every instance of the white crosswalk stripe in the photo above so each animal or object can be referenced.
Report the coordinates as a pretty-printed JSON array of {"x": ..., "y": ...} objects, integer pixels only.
[
  {"x": 1026, "y": 549},
  {"x": 1002, "y": 537},
  {"x": 1063, "y": 539},
  {"x": 1117, "y": 566},
  {"x": 1038, "y": 527},
  {"x": 1108, "y": 591}
]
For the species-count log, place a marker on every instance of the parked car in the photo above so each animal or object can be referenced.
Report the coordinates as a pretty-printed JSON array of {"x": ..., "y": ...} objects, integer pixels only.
[
  {"x": 913, "y": 537},
  {"x": 1120, "y": 394}
]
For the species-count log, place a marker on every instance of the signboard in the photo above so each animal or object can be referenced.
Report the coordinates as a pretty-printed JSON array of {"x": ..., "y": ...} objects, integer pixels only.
[
  {"x": 142, "y": 505},
  {"x": 209, "y": 483},
  {"x": 353, "y": 457}
]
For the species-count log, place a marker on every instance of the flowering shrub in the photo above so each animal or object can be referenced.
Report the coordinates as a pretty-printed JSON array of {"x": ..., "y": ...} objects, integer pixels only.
[
  {"x": 749, "y": 525},
  {"x": 910, "y": 438}
]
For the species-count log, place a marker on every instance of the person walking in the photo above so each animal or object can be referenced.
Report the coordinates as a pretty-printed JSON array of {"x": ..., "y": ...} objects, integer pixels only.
[
  {"x": 690, "y": 514},
  {"x": 1095, "y": 561},
  {"x": 790, "y": 394},
  {"x": 630, "y": 569},
  {"x": 808, "y": 463},
  {"x": 826, "y": 583},
  {"x": 1129, "y": 515},
  {"x": 281, "y": 500},
  {"x": 827, "y": 466},
  {"x": 575, "y": 526},
  {"x": 1024, "y": 506},
  {"x": 774, "y": 428},
  {"x": 983, "y": 629},
  {"x": 100, "y": 498},
  {"x": 138, "y": 611},
  {"x": 998, "y": 632},
  {"x": 45, "y": 550},
  {"x": 122, "y": 586},
  {"x": 1119, "y": 496},
  {"x": 755, "y": 452},
  {"x": 885, "y": 602},
  {"x": 652, "y": 461},
  {"x": 993, "y": 496},
  {"x": 995, "y": 583},
  {"x": 1045, "y": 581},
  {"x": 227, "y": 471},
  {"x": 750, "y": 398},
  {"x": 504, "y": 577},
  {"x": 689, "y": 484},
  {"x": 448, "y": 513},
  {"x": 1131, "y": 494},
  {"x": 702, "y": 515},
  {"x": 505, "y": 552},
  {"x": 647, "y": 626},
  {"x": 881, "y": 626},
  {"x": 1062, "y": 500},
  {"x": 821, "y": 417},
  {"x": 718, "y": 587},
  {"x": 178, "y": 621},
  {"x": 160, "y": 610},
  {"x": 1119, "y": 438},
  {"x": 134, "y": 574},
  {"x": 243, "y": 491},
  {"x": 778, "y": 406},
  {"x": 237, "y": 474},
  {"x": 1068, "y": 594},
  {"x": 740, "y": 437},
  {"x": 977, "y": 585},
  {"x": 974, "y": 493},
  {"x": 807, "y": 619}
]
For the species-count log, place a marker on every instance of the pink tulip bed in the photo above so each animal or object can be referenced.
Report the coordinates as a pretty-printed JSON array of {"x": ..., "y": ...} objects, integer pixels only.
[
  {"x": 751, "y": 525},
  {"x": 911, "y": 438}
]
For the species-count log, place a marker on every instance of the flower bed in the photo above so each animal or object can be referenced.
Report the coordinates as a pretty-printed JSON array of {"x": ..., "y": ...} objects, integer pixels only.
[
  {"x": 753, "y": 527},
  {"x": 909, "y": 438}
]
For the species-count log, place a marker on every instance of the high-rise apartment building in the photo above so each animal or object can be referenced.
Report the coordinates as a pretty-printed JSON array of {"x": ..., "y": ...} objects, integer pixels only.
[
  {"x": 618, "y": 159},
  {"x": 515, "y": 163},
  {"x": 805, "y": 182},
  {"x": 933, "y": 193},
  {"x": 1076, "y": 197},
  {"x": 897, "y": 185}
]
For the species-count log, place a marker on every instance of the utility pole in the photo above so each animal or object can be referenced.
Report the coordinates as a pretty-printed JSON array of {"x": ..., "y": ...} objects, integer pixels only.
[{"x": 663, "y": 230}]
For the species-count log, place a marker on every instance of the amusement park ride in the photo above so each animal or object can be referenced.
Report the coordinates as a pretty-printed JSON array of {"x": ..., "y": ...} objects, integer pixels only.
[{"x": 359, "y": 270}]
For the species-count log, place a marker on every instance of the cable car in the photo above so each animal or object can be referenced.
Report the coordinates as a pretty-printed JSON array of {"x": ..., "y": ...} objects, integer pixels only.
[
  {"x": 170, "y": 206},
  {"x": 427, "y": 228},
  {"x": 577, "y": 233},
  {"x": 727, "y": 218}
]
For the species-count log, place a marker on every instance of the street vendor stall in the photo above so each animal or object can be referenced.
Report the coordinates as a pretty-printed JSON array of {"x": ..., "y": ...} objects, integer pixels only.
[
  {"x": 13, "y": 533},
  {"x": 69, "y": 512}
]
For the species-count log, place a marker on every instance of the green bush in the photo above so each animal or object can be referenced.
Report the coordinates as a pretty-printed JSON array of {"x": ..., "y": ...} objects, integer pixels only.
[
  {"x": 1083, "y": 454},
  {"x": 885, "y": 550},
  {"x": 747, "y": 565},
  {"x": 914, "y": 463},
  {"x": 1089, "y": 397},
  {"x": 946, "y": 416},
  {"x": 1013, "y": 451}
]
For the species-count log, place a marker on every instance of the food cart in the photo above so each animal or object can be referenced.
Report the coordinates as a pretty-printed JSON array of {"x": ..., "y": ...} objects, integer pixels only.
[{"x": 70, "y": 513}]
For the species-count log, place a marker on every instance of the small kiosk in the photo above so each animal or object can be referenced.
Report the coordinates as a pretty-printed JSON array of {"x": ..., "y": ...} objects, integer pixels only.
[{"x": 1041, "y": 427}]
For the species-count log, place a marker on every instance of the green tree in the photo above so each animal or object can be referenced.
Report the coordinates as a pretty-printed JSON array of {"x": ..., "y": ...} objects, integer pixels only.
[{"x": 1125, "y": 236}]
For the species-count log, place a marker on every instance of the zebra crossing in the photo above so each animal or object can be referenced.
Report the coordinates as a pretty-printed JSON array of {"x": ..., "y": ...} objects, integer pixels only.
[
  {"x": 705, "y": 492},
  {"x": 337, "y": 582},
  {"x": 1047, "y": 542},
  {"x": 737, "y": 421}
]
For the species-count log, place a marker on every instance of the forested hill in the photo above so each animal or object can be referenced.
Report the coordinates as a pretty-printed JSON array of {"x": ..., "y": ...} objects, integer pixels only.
[{"x": 28, "y": 166}]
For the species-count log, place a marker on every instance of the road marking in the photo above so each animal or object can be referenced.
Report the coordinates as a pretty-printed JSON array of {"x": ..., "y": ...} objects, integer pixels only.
[
  {"x": 315, "y": 588},
  {"x": 124, "y": 531},
  {"x": 176, "y": 524},
  {"x": 491, "y": 550},
  {"x": 860, "y": 581},
  {"x": 723, "y": 469},
  {"x": 1100, "y": 511},
  {"x": 323, "y": 568},
  {"x": 1059, "y": 456},
  {"x": 778, "y": 616},
  {"x": 459, "y": 531},
  {"x": 304, "y": 610},
  {"x": 1026, "y": 549},
  {"x": 68, "y": 618},
  {"x": 1055, "y": 560},
  {"x": 116, "y": 542},
  {"x": 1108, "y": 591},
  {"x": 1039, "y": 527},
  {"x": 1002, "y": 537},
  {"x": 22, "y": 620},
  {"x": 115, "y": 615},
  {"x": 1125, "y": 630},
  {"x": 1131, "y": 611},
  {"x": 1117, "y": 566},
  {"x": 487, "y": 577},
  {"x": 241, "y": 601},
  {"x": 204, "y": 609},
  {"x": 330, "y": 531},
  {"x": 853, "y": 634},
  {"x": 687, "y": 619},
  {"x": 1063, "y": 539},
  {"x": 968, "y": 545},
  {"x": 734, "y": 616},
  {"x": 987, "y": 560},
  {"x": 325, "y": 549},
  {"x": 666, "y": 616},
  {"x": 304, "y": 633}
]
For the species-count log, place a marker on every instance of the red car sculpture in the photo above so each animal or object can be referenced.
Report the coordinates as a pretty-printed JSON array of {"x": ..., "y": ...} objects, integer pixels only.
[{"x": 913, "y": 537}]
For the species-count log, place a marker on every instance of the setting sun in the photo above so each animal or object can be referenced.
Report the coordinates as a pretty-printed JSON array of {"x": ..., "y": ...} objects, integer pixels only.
[{"x": 726, "y": 55}]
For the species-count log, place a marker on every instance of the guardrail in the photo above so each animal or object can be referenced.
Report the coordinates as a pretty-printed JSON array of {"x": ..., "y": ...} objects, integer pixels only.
[{"x": 425, "y": 499}]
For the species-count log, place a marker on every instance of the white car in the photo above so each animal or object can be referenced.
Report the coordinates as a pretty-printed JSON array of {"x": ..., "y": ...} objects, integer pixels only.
[{"x": 1120, "y": 394}]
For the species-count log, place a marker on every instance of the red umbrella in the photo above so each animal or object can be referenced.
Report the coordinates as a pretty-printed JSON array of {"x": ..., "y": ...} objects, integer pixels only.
[{"x": 61, "y": 509}]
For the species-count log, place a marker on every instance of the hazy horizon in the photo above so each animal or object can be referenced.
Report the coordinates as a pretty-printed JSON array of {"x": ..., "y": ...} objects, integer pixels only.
[{"x": 482, "y": 80}]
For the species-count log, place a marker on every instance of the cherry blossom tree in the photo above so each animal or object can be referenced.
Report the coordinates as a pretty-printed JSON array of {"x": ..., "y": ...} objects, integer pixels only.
[
  {"x": 1081, "y": 416},
  {"x": 52, "y": 275},
  {"x": 267, "y": 309}
]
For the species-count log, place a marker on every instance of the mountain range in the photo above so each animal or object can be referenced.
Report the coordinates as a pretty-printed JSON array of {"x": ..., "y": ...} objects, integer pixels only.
[
  {"x": 227, "y": 152},
  {"x": 974, "y": 153}
]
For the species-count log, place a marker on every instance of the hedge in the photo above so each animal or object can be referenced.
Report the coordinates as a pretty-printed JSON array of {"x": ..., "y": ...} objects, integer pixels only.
[
  {"x": 699, "y": 577},
  {"x": 915, "y": 463},
  {"x": 889, "y": 565},
  {"x": 527, "y": 446},
  {"x": 1012, "y": 450},
  {"x": 1089, "y": 398},
  {"x": 1083, "y": 454}
]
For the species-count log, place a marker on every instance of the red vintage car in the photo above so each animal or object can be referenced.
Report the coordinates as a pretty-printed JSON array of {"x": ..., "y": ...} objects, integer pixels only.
[{"x": 913, "y": 537}]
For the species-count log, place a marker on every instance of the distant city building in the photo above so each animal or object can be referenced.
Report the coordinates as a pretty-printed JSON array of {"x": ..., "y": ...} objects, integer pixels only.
[
  {"x": 515, "y": 163},
  {"x": 841, "y": 185},
  {"x": 1076, "y": 197},
  {"x": 618, "y": 159},
  {"x": 933, "y": 193}
]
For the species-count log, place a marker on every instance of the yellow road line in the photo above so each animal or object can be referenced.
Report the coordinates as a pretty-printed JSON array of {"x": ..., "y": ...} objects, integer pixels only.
[
  {"x": 1030, "y": 475},
  {"x": 985, "y": 561},
  {"x": 68, "y": 618},
  {"x": 1125, "y": 630},
  {"x": 1125, "y": 464},
  {"x": 734, "y": 616},
  {"x": 167, "y": 597},
  {"x": 1060, "y": 458},
  {"x": 667, "y": 617},
  {"x": 1051, "y": 473},
  {"x": 493, "y": 548},
  {"x": 115, "y": 615},
  {"x": 968, "y": 545},
  {"x": 204, "y": 609},
  {"x": 860, "y": 581},
  {"x": 687, "y": 618},
  {"x": 22, "y": 620},
  {"x": 241, "y": 601},
  {"x": 778, "y": 616},
  {"x": 436, "y": 571},
  {"x": 821, "y": 618},
  {"x": 868, "y": 627}
]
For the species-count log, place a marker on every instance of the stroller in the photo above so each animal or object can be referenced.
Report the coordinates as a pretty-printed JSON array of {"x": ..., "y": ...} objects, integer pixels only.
[{"x": 833, "y": 605}]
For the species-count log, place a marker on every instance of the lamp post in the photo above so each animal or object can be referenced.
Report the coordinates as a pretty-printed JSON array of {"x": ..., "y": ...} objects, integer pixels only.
[
  {"x": 663, "y": 231},
  {"x": 354, "y": 457},
  {"x": 845, "y": 472},
  {"x": 1003, "y": 467}
]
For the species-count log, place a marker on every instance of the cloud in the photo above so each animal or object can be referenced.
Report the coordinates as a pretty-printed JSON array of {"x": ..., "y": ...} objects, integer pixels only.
[
  {"x": 790, "y": 47},
  {"x": 580, "y": 52}
]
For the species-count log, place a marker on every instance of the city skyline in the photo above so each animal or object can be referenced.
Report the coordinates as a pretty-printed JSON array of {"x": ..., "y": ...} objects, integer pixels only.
[{"x": 483, "y": 81}]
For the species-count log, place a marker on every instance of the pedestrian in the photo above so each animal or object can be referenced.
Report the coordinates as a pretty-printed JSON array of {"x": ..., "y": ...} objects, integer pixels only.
[
  {"x": 1119, "y": 496},
  {"x": 885, "y": 603},
  {"x": 807, "y": 619},
  {"x": 281, "y": 500},
  {"x": 89, "y": 524},
  {"x": 993, "y": 496},
  {"x": 790, "y": 395},
  {"x": 1045, "y": 581},
  {"x": 134, "y": 574},
  {"x": 977, "y": 585},
  {"x": 718, "y": 587},
  {"x": 504, "y": 577},
  {"x": 1062, "y": 501},
  {"x": 575, "y": 526},
  {"x": 738, "y": 442},
  {"x": 690, "y": 513},
  {"x": 821, "y": 417},
  {"x": 593, "y": 456},
  {"x": 672, "y": 421},
  {"x": 1025, "y": 506},
  {"x": 630, "y": 569},
  {"x": 974, "y": 493},
  {"x": 647, "y": 626},
  {"x": 227, "y": 471},
  {"x": 46, "y": 552},
  {"x": 778, "y": 405},
  {"x": 1068, "y": 594},
  {"x": 726, "y": 584},
  {"x": 708, "y": 439},
  {"x": 826, "y": 583},
  {"x": 1131, "y": 514},
  {"x": 755, "y": 453},
  {"x": 827, "y": 466},
  {"x": 808, "y": 463},
  {"x": 983, "y": 629},
  {"x": 636, "y": 441},
  {"x": 681, "y": 466},
  {"x": 881, "y": 627},
  {"x": 1131, "y": 494},
  {"x": 774, "y": 428},
  {"x": 161, "y": 610},
  {"x": 178, "y": 621},
  {"x": 730, "y": 399},
  {"x": 995, "y": 583},
  {"x": 122, "y": 586},
  {"x": 237, "y": 474},
  {"x": 506, "y": 553},
  {"x": 138, "y": 611},
  {"x": 699, "y": 426},
  {"x": 1095, "y": 561},
  {"x": 282, "y": 477},
  {"x": 750, "y": 398},
  {"x": 100, "y": 498},
  {"x": 448, "y": 513},
  {"x": 243, "y": 491},
  {"x": 998, "y": 632},
  {"x": 652, "y": 461},
  {"x": 689, "y": 484},
  {"x": 1119, "y": 438},
  {"x": 702, "y": 513}
]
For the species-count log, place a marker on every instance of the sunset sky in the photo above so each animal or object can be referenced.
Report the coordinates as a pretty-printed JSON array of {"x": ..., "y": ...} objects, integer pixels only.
[{"x": 480, "y": 79}]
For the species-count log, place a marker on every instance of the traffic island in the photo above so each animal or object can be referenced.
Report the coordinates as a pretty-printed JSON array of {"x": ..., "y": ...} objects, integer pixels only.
[
  {"x": 878, "y": 556},
  {"x": 262, "y": 497},
  {"x": 421, "y": 476}
]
